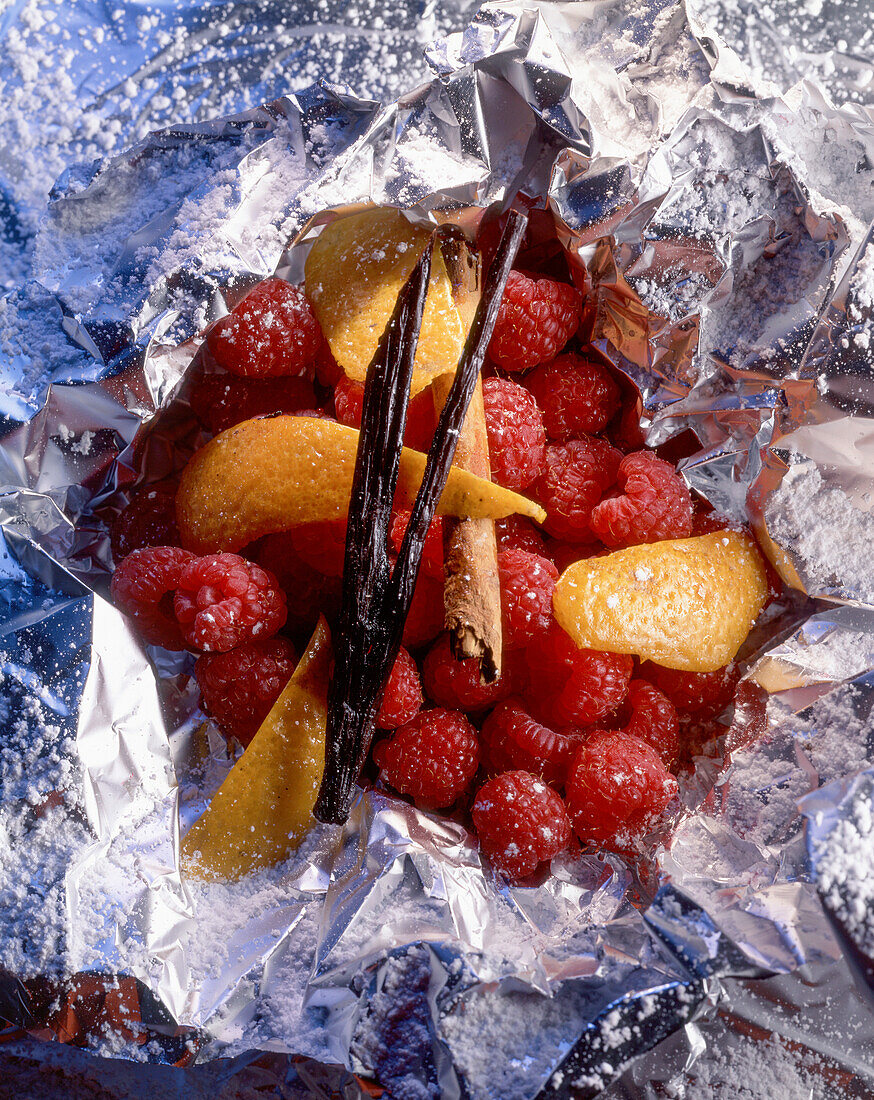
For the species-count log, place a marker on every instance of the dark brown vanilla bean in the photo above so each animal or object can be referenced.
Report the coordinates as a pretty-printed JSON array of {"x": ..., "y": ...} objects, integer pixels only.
[
  {"x": 376, "y": 602},
  {"x": 363, "y": 638}
]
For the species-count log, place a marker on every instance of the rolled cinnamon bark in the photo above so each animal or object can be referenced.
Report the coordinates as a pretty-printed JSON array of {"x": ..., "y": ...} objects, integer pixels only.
[{"x": 472, "y": 593}]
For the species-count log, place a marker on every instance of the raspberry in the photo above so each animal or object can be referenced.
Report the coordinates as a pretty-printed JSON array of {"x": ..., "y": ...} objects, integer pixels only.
[
  {"x": 517, "y": 533},
  {"x": 433, "y": 758},
  {"x": 617, "y": 786},
  {"x": 576, "y": 396},
  {"x": 402, "y": 699},
  {"x": 656, "y": 504},
  {"x": 651, "y": 716},
  {"x": 149, "y": 519},
  {"x": 703, "y": 694},
  {"x": 321, "y": 545},
  {"x": 425, "y": 618},
  {"x": 536, "y": 319},
  {"x": 575, "y": 477},
  {"x": 273, "y": 331},
  {"x": 520, "y": 822},
  {"x": 222, "y": 600},
  {"x": 515, "y": 430},
  {"x": 239, "y": 687},
  {"x": 527, "y": 583},
  {"x": 221, "y": 400},
  {"x": 511, "y": 738},
  {"x": 349, "y": 401},
  {"x": 571, "y": 686},
  {"x": 142, "y": 586},
  {"x": 312, "y": 592},
  {"x": 432, "y": 553},
  {"x": 456, "y": 684},
  {"x": 349, "y": 406}
]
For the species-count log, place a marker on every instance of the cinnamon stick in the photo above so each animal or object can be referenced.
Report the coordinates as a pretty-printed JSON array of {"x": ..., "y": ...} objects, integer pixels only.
[{"x": 472, "y": 591}]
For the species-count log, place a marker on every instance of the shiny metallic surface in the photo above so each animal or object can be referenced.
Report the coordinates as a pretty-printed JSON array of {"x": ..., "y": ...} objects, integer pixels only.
[{"x": 683, "y": 184}]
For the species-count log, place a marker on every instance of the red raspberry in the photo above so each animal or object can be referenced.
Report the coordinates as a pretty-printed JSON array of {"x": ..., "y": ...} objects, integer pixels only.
[
  {"x": 517, "y": 533},
  {"x": 456, "y": 684},
  {"x": 511, "y": 739},
  {"x": 575, "y": 477},
  {"x": 571, "y": 686},
  {"x": 617, "y": 786},
  {"x": 576, "y": 396},
  {"x": 149, "y": 519},
  {"x": 425, "y": 618},
  {"x": 515, "y": 430},
  {"x": 311, "y": 592},
  {"x": 222, "y": 600},
  {"x": 536, "y": 319},
  {"x": 656, "y": 504},
  {"x": 520, "y": 822},
  {"x": 321, "y": 545},
  {"x": 239, "y": 687},
  {"x": 221, "y": 400},
  {"x": 432, "y": 758},
  {"x": 651, "y": 716},
  {"x": 349, "y": 401},
  {"x": 527, "y": 584},
  {"x": 142, "y": 586},
  {"x": 704, "y": 694},
  {"x": 432, "y": 552},
  {"x": 273, "y": 331},
  {"x": 421, "y": 421},
  {"x": 402, "y": 699}
]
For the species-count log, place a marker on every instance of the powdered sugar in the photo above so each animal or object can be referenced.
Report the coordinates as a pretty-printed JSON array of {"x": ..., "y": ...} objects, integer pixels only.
[
  {"x": 824, "y": 531},
  {"x": 751, "y": 1069}
]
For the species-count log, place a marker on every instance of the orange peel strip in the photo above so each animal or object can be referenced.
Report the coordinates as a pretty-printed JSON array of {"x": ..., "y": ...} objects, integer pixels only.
[
  {"x": 273, "y": 474},
  {"x": 684, "y": 603},
  {"x": 263, "y": 809},
  {"x": 353, "y": 276}
]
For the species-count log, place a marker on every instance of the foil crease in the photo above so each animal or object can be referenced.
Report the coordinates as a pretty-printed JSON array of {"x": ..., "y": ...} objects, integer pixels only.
[{"x": 683, "y": 183}]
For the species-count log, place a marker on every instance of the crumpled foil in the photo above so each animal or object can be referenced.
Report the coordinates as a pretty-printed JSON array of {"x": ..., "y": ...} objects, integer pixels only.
[{"x": 739, "y": 217}]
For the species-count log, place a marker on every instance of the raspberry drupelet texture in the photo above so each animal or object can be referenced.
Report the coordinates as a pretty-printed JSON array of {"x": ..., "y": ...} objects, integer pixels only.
[
  {"x": 655, "y": 504},
  {"x": 517, "y": 533},
  {"x": 149, "y": 519},
  {"x": 273, "y": 331},
  {"x": 221, "y": 400},
  {"x": 617, "y": 786},
  {"x": 512, "y": 739},
  {"x": 520, "y": 822},
  {"x": 575, "y": 477},
  {"x": 143, "y": 585},
  {"x": 700, "y": 694},
  {"x": 349, "y": 401},
  {"x": 568, "y": 686},
  {"x": 402, "y": 699},
  {"x": 527, "y": 584},
  {"x": 456, "y": 684},
  {"x": 576, "y": 396},
  {"x": 650, "y": 715},
  {"x": 433, "y": 758},
  {"x": 538, "y": 316},
  {"x": 239, "y": 687},
  {"x": 222, "y": 600},
  {"x": 432, "y": 552},
  {"x": 517, "y": 440}
]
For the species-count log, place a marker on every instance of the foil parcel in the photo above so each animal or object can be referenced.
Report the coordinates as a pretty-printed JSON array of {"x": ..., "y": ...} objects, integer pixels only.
[{"x": 739, "y": 218}]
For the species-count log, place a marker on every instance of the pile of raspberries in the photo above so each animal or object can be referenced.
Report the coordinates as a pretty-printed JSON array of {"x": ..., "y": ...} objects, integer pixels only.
[{"x": 570, "y": 746}]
